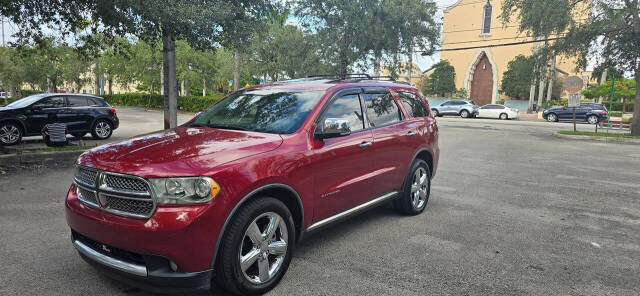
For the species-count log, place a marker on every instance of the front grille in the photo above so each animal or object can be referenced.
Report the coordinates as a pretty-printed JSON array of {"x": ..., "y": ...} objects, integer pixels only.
[
  {"x": 115, "y": 193},
  {"x": 125, "y": 184},
  {"x": 86, "y": 176},
  {"x": 130, "y": 206},
  {"x": 87, "y": 195}
]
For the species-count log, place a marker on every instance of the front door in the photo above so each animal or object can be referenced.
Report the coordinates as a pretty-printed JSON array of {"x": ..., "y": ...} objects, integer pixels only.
[
  {"x": 343, "y": 164},
  {"x": 44, "y": 112},
  {"x": 482, "y": 82}
]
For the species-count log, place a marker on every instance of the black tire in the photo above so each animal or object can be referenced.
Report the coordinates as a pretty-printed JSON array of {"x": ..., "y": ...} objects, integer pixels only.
[
  {"x": 552, "y": 117},
  {"x": 10, "y": 133},
  {"x": 229, "y": 273},
  {"x": 98, "y": 132},
  {"x": 79, "y": 135},
  {"x": 504, "y": 116},
  {"x": 405, "y": 202},
  {"x": 465, "y": 114}
]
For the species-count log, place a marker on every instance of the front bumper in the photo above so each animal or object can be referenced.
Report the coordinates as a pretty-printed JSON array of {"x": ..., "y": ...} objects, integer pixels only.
[{"x": 148, "y": 272}]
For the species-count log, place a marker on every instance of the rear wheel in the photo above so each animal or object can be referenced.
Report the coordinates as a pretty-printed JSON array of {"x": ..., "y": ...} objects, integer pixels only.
[
  {"x": 416, "y": 191},
  {"x": 257, "y": 247},
  {"x": 10, "y": 133},
  {"x": 464, "y": 114},
  {"x": 102, "y": 130},
  {"x": 592, "y": 119},
  {"x": 504, "y": 116}
]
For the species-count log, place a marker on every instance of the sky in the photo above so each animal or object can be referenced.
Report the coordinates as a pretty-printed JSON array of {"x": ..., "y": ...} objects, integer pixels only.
[{"x": 423, "y": 62}]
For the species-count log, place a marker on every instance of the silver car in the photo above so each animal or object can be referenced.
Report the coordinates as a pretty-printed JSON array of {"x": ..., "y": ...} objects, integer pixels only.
[{"x": 463, "y": 108}]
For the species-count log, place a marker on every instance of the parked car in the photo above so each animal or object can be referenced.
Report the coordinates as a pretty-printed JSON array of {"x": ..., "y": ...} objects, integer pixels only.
[
  {"x": 463, "y": 108},
  {"x": 227, "y": 195},
  {"x": 81, "y": 113},
  {"x": 498, "y": 111},
  {"x": 4, "y": 95},
  {"x": 591, "y": 113}
]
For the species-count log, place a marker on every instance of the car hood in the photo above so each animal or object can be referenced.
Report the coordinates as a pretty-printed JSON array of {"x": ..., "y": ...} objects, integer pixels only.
[{"x": 183, "y": 151}]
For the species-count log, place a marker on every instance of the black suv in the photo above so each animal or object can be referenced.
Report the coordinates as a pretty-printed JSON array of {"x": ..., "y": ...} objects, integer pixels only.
[
  {"x": 590, "y": 112},
  {"x": 81, "y": 113}
]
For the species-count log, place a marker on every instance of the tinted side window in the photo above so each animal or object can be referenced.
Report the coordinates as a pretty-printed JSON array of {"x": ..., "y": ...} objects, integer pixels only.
[
  {"x": 413, "y": 104},
  {"x": 51, "y": 102},
  {"x": 77, "y": 102},
  {"x": 347, "y": 107},
  {"x": 381, "y": 109}
]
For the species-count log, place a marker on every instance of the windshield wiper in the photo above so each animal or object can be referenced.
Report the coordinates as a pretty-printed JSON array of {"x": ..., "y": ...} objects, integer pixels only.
[{"x": 230, "y": 127}]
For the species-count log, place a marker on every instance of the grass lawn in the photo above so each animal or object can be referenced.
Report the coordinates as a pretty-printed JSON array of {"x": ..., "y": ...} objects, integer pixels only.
[{"x": 599, "y": 134}]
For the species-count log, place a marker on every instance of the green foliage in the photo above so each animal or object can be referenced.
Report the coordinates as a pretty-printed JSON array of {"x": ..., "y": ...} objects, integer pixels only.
[
  {"x": 598, "y": 134},
  {"x": 188, "y": 103},
  {"x": 516, "y": 81},
  {"x": 623, "y": 89},
  {"x": 617, "y": 106},
  {"x": 441, "y": 81}
]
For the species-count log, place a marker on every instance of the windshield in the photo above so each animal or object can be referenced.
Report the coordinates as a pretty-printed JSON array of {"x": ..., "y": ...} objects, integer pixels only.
[
  {"x": 24, "y": 102},
  {"x": 270, "y": 111}
]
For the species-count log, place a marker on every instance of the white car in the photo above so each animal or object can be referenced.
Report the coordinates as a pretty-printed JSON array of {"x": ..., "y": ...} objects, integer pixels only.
[
  {"x": 498, "y": 111},
  {"x": 4, "y": 95}
]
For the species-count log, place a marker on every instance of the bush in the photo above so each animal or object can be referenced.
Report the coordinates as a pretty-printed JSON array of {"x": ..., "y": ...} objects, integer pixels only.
[
  {"x": 190, "y": 103},
  {"x": 617, "y": 106}
]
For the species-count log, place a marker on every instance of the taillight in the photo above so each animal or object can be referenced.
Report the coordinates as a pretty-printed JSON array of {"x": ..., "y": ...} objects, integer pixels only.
[
  {"x": 113, "y": 110},
  {"x": 604, "y": 112}
]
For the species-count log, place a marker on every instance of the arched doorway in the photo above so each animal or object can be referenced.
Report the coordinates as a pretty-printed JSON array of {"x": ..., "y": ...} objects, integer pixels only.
[{"x": 482, "y": 81}]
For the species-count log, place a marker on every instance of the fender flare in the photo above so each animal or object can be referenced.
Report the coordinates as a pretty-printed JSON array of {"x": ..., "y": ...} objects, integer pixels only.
[{"x": 247, "y": 198}]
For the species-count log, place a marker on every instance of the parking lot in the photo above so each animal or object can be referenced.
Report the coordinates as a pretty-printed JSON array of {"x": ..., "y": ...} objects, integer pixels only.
[{"x": 513, "y": 211}]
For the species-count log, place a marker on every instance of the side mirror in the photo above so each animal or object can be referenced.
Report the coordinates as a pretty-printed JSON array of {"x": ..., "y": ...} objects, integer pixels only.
[{"x": 334, "y": 127}]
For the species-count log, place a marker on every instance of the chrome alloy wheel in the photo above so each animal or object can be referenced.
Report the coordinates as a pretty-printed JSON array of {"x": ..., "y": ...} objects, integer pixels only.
[
  {"x": 103, "y": 129},
  {"x": 9, "y": 134},
  {"x": 592, "y": 119},
  {"x": 419, "y": 188},
  {"x": 552, "y": 117},
  {"x": 263, "y": 248}
]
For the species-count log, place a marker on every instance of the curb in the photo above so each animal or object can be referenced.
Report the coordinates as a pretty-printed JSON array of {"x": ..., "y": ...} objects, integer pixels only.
[
  {"x": 598, "y": 138},
  {"x": 42, "y": 157}
]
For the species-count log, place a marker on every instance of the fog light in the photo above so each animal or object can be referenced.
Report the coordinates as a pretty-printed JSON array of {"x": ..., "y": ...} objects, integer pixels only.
[{"x": 173, "y": 266}]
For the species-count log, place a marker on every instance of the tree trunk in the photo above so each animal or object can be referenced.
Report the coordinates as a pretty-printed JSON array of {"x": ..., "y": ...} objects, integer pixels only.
[
  {"x": 532, "y": 95},
  {"x": 110, "y": 85},
  {"x": 170, "y": 80},
  {"x": 376, "y": 64},
  {"x": 410, "y": 70},
  {"x": 162, "y": 78},
  {"x": 182, "y": 91},
  {"x": 97, "y": 82},
  {"x": 635, "y": 125},
  {"x": 552, "y": 76},
  {"x": 543, "y": 81},
  {"x": 204, "y": 87},
  {"x": 236, "y": 70}
]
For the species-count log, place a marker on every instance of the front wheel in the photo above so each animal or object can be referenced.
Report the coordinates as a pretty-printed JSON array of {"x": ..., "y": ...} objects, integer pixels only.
[
  {"x": 257, "y": 247},
  {"x": 417, "y": 188},
  {"x": 102, "y": 130},
  {"x": 552, "y": 117},
  {"x": 10, "y": 134}
]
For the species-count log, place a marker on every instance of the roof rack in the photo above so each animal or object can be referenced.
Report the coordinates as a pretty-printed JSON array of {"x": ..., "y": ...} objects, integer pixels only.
[
  {"x": 384, "y": 77},
  {"x": 341, "y": 76}
]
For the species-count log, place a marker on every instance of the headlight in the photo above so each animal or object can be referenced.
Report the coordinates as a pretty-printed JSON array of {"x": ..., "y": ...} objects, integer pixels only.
[{"x": 190, "y": 190}]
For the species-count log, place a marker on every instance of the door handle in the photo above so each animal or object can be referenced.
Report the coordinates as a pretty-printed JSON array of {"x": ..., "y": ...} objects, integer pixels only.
[
  {"x": 411, "y": 134},
  {"x": 364, "y": 145}
]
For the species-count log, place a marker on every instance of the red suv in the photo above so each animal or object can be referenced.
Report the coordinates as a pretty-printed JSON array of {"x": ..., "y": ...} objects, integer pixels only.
[{"x": 225, "y": 197}]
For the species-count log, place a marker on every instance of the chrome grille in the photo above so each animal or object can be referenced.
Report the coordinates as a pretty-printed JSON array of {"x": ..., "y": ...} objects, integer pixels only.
[
  {"x": 126, "y": 184},
  {"x": 86, "y": 176},
  {"x": 87, "y": 195},
  {"x": 135, "y": 207},
  {"x": 115, "y": 193}
]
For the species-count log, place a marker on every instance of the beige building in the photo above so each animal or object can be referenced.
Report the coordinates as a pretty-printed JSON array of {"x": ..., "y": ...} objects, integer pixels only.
[
  {"x": 476, "y": 24},
  {"x": 403, "y": 73}
]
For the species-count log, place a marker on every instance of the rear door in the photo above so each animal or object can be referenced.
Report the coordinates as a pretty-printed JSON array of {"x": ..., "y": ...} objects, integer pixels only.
[
  {"x": 343, "y": 164},
  {"x": 79, "y": 117},
  {"x": 393, "y": 139}
]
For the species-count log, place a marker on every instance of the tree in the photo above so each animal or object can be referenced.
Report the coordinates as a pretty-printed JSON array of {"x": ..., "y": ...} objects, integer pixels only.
[
  {"x": 516, "y": 81},
  {"x": 201, "y": 23},
  {"x": 624, "y": 91},
  {"x": 442, "y": 80},
  {"x": 611, "y": 32}
]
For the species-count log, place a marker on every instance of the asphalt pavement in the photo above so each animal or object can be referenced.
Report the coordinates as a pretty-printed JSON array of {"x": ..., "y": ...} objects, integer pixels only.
[{"x": 513, "y": 211}]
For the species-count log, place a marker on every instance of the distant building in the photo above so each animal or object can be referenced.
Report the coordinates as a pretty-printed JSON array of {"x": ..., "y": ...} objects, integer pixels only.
[
  {"x": 403, "y": 73},
  {"x": 473, "y": 23}
]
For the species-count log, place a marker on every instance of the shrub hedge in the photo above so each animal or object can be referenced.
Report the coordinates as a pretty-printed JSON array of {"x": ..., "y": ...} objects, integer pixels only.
[
  {"x": 617, "y": 106},
  {"x": 190, "y": 103}
]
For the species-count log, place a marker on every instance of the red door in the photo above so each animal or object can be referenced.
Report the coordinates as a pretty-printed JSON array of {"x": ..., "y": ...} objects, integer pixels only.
[
  {"x": 343, "y": 165},
  {"x": 394, "y": 141}
]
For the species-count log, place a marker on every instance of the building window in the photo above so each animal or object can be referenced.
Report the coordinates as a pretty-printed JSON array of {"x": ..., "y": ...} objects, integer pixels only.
[{"x": 486, "y": 23}]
